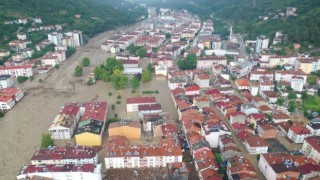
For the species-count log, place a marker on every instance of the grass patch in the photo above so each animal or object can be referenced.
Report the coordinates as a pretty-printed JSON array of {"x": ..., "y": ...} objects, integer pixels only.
[
  {"x": 150, "y": 92},
  {"x": 311, "y": 103},
  {"x": 312, "y": 79}
]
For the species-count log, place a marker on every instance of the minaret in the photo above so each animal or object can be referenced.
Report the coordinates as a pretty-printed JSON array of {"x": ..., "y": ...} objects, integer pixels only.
[{"x": 231, "y": 33}]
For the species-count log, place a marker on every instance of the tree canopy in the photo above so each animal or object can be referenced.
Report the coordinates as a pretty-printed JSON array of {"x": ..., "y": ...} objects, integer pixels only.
[
  {"x": 46, "y": 141},
  {"x": 78, "y": 71},
  {"x": 85, "y": 62},
  {"x": 189, "y": 63}
]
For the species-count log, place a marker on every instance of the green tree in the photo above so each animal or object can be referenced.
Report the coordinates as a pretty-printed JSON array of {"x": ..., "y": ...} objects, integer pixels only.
[
  {"x": 85, "y": 62},
  {"x": 90, "y": 82},
  {"x": 119, "y": 82},
  {"x": 70, "y": 51},
  {"x": 292, "y": 95},
  {"x": 46, "y": 140},
  {"x": 135, "y": 83},
  {"x": 133, "y": 49},
  {"x": 31, "y": 78},
  {"x": 22, "y": 79},
  {"x": 280, "y": 101},
  {"x": 189, "y": 63},
  {"x": 78, "y": 71},
  {"x": 304, "y": 95},
  {"x": 150, "y": 67},
  {"x": 57, "y": 66},
  {"x": 292, "y": 106},
  {"x": 142, "y": 52},
  {"x": 268, "y": 116},
  {"x": 112, "y": 64},
  {"x": 1, "y": 114},
  {"x": 146, "y": 76},
  {"x": 113, "y": 106}
]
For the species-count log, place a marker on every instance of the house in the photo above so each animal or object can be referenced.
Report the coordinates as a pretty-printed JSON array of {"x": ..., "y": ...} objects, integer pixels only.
[
  {"x": 248, "y": 108},
  {"x": 114, "y": 49},
  {"x": 70, "y": 171},
  {"x": 201, "y": 102},
  {"x": 92, "y": 123},
  {"x": 177, "y": 82},
  {"x": 16, "y": 71},
  {"x": 212, "y": 132},
  {"x": 285, "y": 126},
  {"x": 256, "y": 145},
  {"x": 279, "y": 117},
  {"x": 311, "y": 147},
  {"x": 255, "y": 75},
  {"x": 130, "y": 63},
  {"x": 265, "y": 109},
  {"x": 297, "y": 84},
  {"x": 133, "y": 103},
  {"x": 161, "y": 71},
  {"x": 230, "y": 152},
  {"x": 14, "y": 93},
  {"x": 237, "y": 117},
  {"x": 287, "y": 75},
  {"x": 314, "y": 128},
  {"x": 242, "y": 84},
  {"x": 177, "y": 171},
  {"x": 309, "y": 171},
  {"x": 202, "y": 80},
  {"x": 6, "y": 81},
  {"x": 50, "y": 59},
  {"x": 254, "y": 118},
  {"x": 147, "y": 109},
  {"x": 65, "y": 155},
  {"x": 282, "y": 165},
  {"x": 240, "y": 168},
  {"x": 298, "y": 133},
  {"x": 265, "y": 84},
  {"x": 192, "y": 90},
  {"x": 225, "y": 141},
  {"x": 120, "y": 155},
  {"x": 65, "y": 123},
  {"x": 266, "y": 130},
  {"x": 130, "y": 130},
  {"x": 207, "y": 62},
  {"x": 270, "y": 96}
]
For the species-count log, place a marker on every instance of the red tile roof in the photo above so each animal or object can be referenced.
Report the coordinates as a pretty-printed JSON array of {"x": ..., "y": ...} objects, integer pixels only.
[
  {"x": 141, "y": 100},
  {"x": 299, "y": 130},
  {"x": 314, "y": 141}
]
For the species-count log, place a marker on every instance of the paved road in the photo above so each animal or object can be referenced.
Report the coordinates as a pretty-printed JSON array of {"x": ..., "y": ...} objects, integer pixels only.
[{"x": 251, "y": 158}]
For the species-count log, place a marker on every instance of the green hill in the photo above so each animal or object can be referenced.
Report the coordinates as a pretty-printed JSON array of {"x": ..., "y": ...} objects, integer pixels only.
[{"x": 96, "y": 15}]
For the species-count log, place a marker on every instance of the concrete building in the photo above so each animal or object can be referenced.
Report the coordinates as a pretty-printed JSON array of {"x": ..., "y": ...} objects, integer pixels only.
[
  {"x": 62, "y": 172},
  {"x": 311, "y": 147},
  {"x": 133, "y": 103},
  {"x": 262, "y": 43},
  {"x": 65, "y": 155},
  {"x": 65, "y": 123},
  {"x": 256, "y": 145},
  {"x": 55, "y": 38},
  {"x": 298, "y": 133},
  {"x": 6, "y": 81},
  {"x": 120, "y": 155},
  {"x": 16, "y": 71},
  {"x": 92, "y": 123},
  {"x": 130, "y": 130},
  {"x": 282, "y": 165},
  {"x": 212, "y": 132}
]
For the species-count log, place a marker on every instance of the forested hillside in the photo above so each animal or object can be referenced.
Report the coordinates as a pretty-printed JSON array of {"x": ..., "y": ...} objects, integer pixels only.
[
  {"x": 244, "y": 16},
  {"x": 96, "y": 15}
]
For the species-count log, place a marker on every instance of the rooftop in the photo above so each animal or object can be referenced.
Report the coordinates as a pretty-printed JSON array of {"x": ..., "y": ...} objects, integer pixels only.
[
  {"x": 314, "y": 141},
  {"x": 141, "y": 100},
  {"x": 28, "y": 169},
  {"x": 69, "y": 152},
  {"x": 256, "y": 141},
  {"x": 149, "y": 107}
]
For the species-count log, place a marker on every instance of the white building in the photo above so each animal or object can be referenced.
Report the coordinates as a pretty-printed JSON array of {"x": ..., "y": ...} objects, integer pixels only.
[
  {"x": 212, "y": 132},
  {"x": 65, "y": 155},
  {"x": 177, "y": 82},
  {"x": 77, "y": 37},
  {"x": 50, "y": 59},
  {"x": 256, "y": 145},
  {"x": 297, "y": 84},
  {"x": 311, "y": 147},
  {"x": 298, "y": 133},
  {"x": 65, "y": 123},
  {"x": 6, "y": 81},
  {"x": 288, "y": 75},
  {"x": 202, "y": 80},
  {"x": 148, "y": 109},
  {"x": 142, "y": 157},
  {"x": 133, "y": 103},
  {"x": 314, "y": 128},
  {"x": 16, "y": 71},
  {"x": 262, "y": 43},
  {"x": 64, "y": 172},
  {"x": 6, "y": 103},
  {"x": 21, "y": 36},
  {"x": 55, "y": 38}
]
